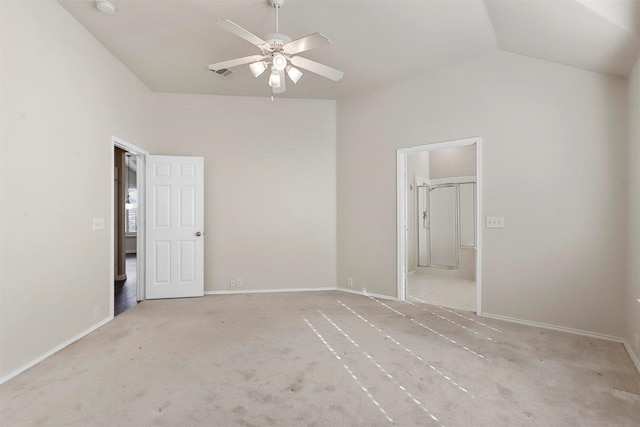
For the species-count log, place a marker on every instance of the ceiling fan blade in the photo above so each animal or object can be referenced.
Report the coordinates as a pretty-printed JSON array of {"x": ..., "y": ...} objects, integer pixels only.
[
  {"x": 236, "y": 29},
  {"x": 317, "y": 68},
  {"x": 235, "y": 62},
  {"x": 303, "y": 44},
  {"x": 283, "y": 85}
]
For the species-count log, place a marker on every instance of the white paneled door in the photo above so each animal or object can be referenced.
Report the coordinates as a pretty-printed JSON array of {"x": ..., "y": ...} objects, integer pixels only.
[{"x": 174, "y": 224}]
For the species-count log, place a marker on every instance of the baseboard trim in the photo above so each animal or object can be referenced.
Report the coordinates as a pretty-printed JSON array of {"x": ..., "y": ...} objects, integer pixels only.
[
  {"x": 632, "y": 355},
  {"x": 267, "y": 291},
  {"x": 54, "y": 350},
  {"x": 622, "y": 341},
  {"x": 554, "y": 327},
  {"x": 367, "y": 294},
  {"x": 322, "y": 289}
]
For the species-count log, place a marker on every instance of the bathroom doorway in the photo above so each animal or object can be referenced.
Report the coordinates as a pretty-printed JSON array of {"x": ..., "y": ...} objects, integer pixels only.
[{"x": 439, "y": 225}]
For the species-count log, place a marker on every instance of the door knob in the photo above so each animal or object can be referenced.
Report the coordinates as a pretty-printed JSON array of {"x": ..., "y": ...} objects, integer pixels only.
[{"x": 198, "y": 234}]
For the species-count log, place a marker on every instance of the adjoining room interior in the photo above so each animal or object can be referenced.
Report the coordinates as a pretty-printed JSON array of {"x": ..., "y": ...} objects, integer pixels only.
[
  {"x": 441, "y": 216},
  {"x": 125, "y": 230},
  {"x": 300, "y": 194}
]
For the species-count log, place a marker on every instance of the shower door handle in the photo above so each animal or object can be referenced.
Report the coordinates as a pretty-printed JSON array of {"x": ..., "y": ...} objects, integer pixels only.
[{"x": 424, "y": 220}]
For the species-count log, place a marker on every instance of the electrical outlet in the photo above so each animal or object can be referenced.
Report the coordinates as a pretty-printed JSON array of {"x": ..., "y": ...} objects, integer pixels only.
[
  {"x": 232, "y": 283},
  {"x": 350, "y": 282},
  {"x": 238, "y": 283},
  {"x": 96, "y": 311},
  {"x": 495, "y": 222}
]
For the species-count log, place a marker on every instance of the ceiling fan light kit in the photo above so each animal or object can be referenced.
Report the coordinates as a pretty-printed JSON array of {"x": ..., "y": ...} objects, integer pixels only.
[
  {"x": 293, "y": 73},
  {"x": 280, "y": 53},
  {"x": 257, "y": 68},
  {"x": 279, "y": 61},
  {"x": 274, "y": 79}
]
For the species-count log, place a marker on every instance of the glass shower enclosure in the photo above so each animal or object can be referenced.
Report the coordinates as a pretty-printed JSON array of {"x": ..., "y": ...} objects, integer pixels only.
[{"x": 446, "y": 221}]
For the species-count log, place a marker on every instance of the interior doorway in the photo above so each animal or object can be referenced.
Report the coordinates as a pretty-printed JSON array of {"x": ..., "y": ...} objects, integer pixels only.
[
  {"x": 439, "y": 250},
  {"x": 127, "y": 229}
]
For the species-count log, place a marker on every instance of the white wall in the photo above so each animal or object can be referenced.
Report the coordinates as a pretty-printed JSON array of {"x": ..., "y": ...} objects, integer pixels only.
[
  {"x": 554, "y": 140},
  {"x": 270, "y": 179},
  {"x": 63, "y": 97},
  {"x": 270, "y": 185},
  {"x": 633, "y": 285}
]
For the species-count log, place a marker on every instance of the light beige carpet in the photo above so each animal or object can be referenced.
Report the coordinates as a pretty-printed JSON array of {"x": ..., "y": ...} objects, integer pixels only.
[{"x": 323, "y": 359}]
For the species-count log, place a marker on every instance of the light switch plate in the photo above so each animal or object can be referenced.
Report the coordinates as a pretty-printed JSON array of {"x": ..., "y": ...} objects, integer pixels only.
[
  {"x": 495, "y": 222},
  {"x": 98, "y": 223}
]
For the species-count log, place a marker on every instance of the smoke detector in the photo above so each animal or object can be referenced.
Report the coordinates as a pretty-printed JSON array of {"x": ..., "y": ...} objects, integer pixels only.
[{"x": 105, "y": 6}]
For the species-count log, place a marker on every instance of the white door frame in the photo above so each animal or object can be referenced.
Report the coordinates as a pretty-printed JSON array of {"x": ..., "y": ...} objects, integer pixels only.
[
  {"x": 140, "y": 238},
  {"x": 402, "y": 226}
]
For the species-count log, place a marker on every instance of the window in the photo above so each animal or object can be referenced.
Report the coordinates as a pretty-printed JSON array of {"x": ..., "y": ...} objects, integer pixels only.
[{"x": 132, "y": 210}]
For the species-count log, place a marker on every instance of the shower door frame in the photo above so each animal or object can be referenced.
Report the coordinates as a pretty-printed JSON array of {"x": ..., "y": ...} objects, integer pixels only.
[
  {"x": 401, "y": 218},
  {"x": 456, "y": 215}
]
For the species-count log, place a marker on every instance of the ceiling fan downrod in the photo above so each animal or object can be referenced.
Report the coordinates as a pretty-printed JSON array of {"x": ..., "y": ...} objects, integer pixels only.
[{"x": 276, "y": 4}]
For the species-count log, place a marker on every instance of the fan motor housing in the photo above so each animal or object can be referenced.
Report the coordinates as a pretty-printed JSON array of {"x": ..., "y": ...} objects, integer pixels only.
[
  {"x": 276, "y": 42},
  {"x": 277, "y": 39}
]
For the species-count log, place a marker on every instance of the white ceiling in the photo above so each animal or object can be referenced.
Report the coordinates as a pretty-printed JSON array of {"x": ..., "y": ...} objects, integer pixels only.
[{"x": 169, "y": 43}]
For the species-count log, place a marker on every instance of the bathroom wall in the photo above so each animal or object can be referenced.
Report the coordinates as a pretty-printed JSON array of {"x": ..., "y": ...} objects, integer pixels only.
[{"x": 456, "y": 161}]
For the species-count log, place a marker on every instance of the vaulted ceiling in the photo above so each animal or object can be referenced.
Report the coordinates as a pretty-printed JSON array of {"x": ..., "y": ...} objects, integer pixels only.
[{"x": 168, "y": 44}]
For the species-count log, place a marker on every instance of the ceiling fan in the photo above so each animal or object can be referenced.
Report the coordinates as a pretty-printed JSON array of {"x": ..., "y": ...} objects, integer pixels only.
[{"x": 279, "y": 54}]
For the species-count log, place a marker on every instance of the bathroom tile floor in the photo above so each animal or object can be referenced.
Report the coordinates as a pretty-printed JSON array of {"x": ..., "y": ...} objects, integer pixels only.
[{"x": 443, "y": 288}]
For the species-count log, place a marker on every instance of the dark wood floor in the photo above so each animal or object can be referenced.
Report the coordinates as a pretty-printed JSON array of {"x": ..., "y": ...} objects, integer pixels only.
[{"x": 126, "y": 291}]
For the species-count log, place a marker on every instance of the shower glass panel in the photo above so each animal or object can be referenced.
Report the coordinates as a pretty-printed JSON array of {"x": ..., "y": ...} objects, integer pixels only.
[{"x": 443, "y": 226}]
